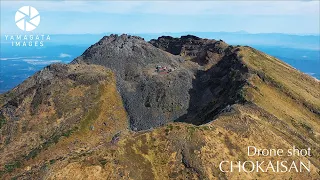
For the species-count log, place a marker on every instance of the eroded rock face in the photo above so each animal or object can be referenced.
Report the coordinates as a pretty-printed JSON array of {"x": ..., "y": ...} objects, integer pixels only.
[
  {"x": 151, "y": 98},
  {"x": 202, "y": 51},
  {"x": 219, "y": 79}
]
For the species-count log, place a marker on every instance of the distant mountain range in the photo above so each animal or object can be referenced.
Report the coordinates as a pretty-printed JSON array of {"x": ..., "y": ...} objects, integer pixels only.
[{"x": 310, "y": 41}]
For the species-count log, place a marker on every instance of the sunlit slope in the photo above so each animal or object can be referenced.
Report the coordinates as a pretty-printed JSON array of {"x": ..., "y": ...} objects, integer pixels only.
[
  {"x": 302, "y": 88},
  {"x": 60, "y": 112},
  {"x": 289, "y": 95},
  {"x": 182, "y": 151}
]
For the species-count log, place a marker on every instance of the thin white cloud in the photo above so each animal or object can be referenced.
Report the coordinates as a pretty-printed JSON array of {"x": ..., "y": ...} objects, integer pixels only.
[
  {"x": 27, "y": 69},
  {"x": 175, "y": 7},
  {"x": 40, "y": 62},
  {"x": 310, "y": 73},
  {"x": 18, "y": 58},
  {"x": 64, "y": 55}
]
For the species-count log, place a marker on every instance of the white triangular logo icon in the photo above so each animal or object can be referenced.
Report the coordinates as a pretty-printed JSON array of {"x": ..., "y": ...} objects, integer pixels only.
[{"x": 27, "y": 18}]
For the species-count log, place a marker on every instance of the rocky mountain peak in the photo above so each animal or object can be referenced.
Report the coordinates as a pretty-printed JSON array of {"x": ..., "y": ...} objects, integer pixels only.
[
  {"x": 152, "y": 82},
  {"x": 76, "y": 120},
  {"x": 160, "y": 80},
  {"x": 123, "y": 38}
]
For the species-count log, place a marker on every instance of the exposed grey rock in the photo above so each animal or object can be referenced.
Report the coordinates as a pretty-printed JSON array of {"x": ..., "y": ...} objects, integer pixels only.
[
  {"x": 150, "y": 98},
  {"x": 204, "y": 76}
]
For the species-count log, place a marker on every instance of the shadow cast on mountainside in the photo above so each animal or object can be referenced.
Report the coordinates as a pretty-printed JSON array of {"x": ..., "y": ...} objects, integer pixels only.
[{"x": 215, "y": 90}]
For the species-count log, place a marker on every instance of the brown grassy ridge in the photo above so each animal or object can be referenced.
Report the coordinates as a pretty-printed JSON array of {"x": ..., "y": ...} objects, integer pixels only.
[
  {"x": 299, "y": 86},
  {"x": 85, "y": 110},
  {"x": 181, "y": 151}
]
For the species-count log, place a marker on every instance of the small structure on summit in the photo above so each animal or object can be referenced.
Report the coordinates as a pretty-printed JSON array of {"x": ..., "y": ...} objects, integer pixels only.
[
  {"x": 163, "y": 69},
  {"x": 160, "y": 68}
]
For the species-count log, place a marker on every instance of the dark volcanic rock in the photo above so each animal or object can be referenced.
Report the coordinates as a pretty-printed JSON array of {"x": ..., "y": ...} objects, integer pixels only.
[
  {"x": 151, "y": 98},
  {"x": 216, "y": 89},
  {"x": 219, "y": 81},
  {"x": 202, "y": 51}
]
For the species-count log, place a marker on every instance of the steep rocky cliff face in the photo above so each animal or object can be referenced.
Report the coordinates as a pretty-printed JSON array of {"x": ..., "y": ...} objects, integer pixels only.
[
  {"x": 151, "y": 98},
  {"x": 218, "y": 80},
  {"x": 75, "y": 121}
]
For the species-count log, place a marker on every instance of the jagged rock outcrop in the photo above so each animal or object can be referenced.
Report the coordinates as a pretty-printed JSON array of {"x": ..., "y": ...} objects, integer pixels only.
[{"x": 202, "y": 51}]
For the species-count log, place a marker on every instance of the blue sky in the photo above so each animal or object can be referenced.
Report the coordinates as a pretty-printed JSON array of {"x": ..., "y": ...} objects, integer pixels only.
[{"x": 78, "y": 17}]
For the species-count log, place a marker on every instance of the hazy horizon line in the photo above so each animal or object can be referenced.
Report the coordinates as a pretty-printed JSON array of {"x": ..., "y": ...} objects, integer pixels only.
[{"x": 231, "y": 32}]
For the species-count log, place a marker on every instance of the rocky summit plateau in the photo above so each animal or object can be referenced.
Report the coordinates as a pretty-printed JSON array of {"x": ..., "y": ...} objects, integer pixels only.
[{"x": 170, "y": 108}]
